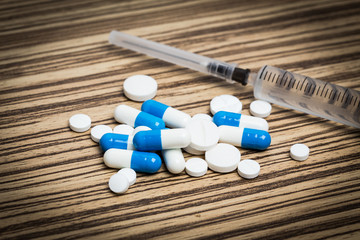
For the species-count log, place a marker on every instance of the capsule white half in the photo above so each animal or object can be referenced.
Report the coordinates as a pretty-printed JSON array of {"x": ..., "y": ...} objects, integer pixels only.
[
  {"x": 172, "y": 117},
  {"x": 134, "y": 117},
  {"x": 174, "y": 160},
  {"x": 139, "y": 161},
  {"x": 153, "y": 140}
]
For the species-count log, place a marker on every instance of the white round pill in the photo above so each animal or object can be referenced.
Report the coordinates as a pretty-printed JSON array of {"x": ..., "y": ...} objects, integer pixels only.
[
  {"x": 299, "y": 152},
  {"x": 226, "y": 103},
  {"x": 140, "y": 128},
  {"x": 129, "y": 173},
  {"x": 80, "y": 122},
  {"x": 260, "y": 108},
  {"x": 223, "y": 158},
  {"x": 140, "y": 88},
  {"x": 248, "y": 169},
  {"x": 204, "y": 134},
  {"x": 193, "y": 151},
  {"x": 98, "y": 131},
  {"x": 123, "y": 129},
  {"x": 203, "y": 116},
  {"x": 196, "y": 167},
  {"x": 118, "y": 183}
]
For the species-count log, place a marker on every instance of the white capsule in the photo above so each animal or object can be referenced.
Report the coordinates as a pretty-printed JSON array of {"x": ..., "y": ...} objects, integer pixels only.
[
  {"x": 134, "y": 117},
  {"x": 139, "y": 161},
  {"x": 174, "y": 160},
  {"x": 161, "y": 139},
  {"x": 245, "y": 137},
  {"x": 240, "y": 120},
  {"x": 172, "y": 117}
]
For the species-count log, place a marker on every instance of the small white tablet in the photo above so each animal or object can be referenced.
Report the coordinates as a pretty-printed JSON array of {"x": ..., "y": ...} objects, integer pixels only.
[
  {"x": 299, "y": 152},
  {"x": 226, "y": 103},
  {"x": 223, "y": 158},
  {"x": 118, "y": 183},
  {"x": 123, "y": 129},
  {"x": 196, "y": 167},
  {"x": 140, "y": 88},
  {"x": 260, "y": 108},
  {"x": 129, "y": 173},
  {"x": 80, "y": 122},
  {"x": 98, "y": 131},
  {"x": 248, "y": 169}
]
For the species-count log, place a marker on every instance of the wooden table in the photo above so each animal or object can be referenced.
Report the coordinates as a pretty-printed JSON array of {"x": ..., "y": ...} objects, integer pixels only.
[{"x": 56, "y": 61}]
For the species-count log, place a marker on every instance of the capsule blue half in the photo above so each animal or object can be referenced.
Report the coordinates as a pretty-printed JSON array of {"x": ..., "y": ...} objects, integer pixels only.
[
  {"x": 240, "y": 120},
  {"x": 146, "y": 162},
  {"x": 135, "y": 118},
  {"x": 146, "y": 119},
  {"x": 116, "y": 140},
  {"x": 154, "y": 108},
  {"x": 255, "y": 139},
  {"x": 157, "y": 139},
  {"x": 172, "y": 117},
  {"x": 245, "y": 137}
]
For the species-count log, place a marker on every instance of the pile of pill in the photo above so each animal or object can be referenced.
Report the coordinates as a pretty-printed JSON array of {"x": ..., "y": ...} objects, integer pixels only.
[{"x": 133, "y": 146}]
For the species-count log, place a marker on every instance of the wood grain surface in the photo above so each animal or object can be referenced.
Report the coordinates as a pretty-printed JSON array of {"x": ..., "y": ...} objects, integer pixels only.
[{"x": 55, "y": 61}]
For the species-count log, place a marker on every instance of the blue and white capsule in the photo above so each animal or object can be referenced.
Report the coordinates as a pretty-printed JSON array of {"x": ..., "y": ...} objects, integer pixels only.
[
  {"x": 157, "y": 139},
  {"x": 245, "y": 137},
  {"x": 139, "y": 161},
  {"x": 240, "y": 120},
  {"x": 172, "y": 117},
  {"x": 133, "y": 117},
  {"x": 116, "y": 140}
]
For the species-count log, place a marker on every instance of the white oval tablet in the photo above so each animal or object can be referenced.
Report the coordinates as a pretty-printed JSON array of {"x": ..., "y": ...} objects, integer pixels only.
[
  {"x": 118, "y": 183},
  {"x": 223, "y": 158},
  {"x": 130, "y": 174},
  {"x": 299, "y": 152},
  {"x": 140, "y": 87},
  {"x": 226, "y": 103},
  {"x": 248, "y": 169},
  {"x": 140, "y": 128},
  {"x": 204, "y": 134},
  {"x": 98, "y": 131},
  {"x": 123, "y": 129},
  {"x": 196, "y": 167},
  {"x": 260, "y": 108},
  {"x": 203, "y": 116},
  {"x": 80, "y": 122}
]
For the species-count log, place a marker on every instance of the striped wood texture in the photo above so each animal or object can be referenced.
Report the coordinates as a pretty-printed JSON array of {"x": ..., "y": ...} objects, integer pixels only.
[{"x": 55, "y": 61}]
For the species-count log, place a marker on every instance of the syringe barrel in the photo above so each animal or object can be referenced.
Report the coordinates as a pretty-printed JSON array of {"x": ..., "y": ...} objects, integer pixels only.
[
  {"x": 308, "y": 95},
  {"x": 174, "y": 55}
]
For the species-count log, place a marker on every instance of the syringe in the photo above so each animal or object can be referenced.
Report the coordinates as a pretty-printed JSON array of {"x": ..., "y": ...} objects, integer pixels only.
[{"x": 271, "y": 84}]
